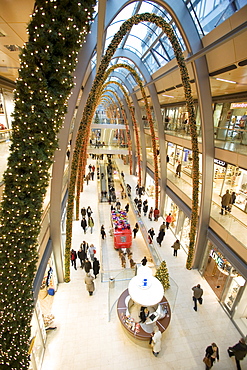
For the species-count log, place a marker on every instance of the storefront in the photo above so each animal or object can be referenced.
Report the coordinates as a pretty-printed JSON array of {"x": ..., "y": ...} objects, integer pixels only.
[
  {"x": 230, "y": 120},
  {"x": 232, "y": 178},
  {"x": 183, "y": 155},
  {"x": 43, "y": 318},
  {"x": 180, "y": 224},
  {"x": 228, "y": 285},
  {"x": 150, "y": 186}
]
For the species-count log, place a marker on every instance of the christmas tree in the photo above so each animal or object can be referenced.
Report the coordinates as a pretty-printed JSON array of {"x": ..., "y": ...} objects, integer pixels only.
[{"x": 162, "y": 275}]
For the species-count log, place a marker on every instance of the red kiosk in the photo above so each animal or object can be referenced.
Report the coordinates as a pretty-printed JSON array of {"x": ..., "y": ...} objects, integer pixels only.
[{"x": 121, "y": 230}]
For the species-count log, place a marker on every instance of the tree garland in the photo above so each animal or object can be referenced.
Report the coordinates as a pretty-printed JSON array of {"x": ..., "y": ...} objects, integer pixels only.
[
  {"x": 90, "y": 106},
  {"x": 47, "y": 62}
]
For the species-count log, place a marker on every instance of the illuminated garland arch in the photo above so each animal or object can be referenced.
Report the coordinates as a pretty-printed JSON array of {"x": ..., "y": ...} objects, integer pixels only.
[
  {"x": 90, "y": 106},
  {"x": 150, "y": 121},
  {"x": 126, "y": 126}
]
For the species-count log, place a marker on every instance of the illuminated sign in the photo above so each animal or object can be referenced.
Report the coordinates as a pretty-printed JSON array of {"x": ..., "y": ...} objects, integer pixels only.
[
  {"x": 219, "y": 162},
  {"x": 238, "y": 105},
  {"x": 217, "y": 259}
]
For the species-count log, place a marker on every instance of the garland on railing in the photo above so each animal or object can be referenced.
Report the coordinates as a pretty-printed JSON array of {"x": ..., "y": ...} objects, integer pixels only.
[
  {"x": 47, "y": 63},
  {"x": 90, "y": 106}
]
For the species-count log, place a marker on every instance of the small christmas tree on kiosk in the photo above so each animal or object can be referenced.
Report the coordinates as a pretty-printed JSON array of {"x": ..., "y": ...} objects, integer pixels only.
[{"x": 162, "y": 275}]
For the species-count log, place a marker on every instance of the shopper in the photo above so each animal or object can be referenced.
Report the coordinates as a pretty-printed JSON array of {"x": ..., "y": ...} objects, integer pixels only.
[
  {"x": 163, "y": 227},
  {"x": 73, "y": 257},
  {"x": 89, "y": 281},
  {"x": 83, "y": 212},
  {"x": 156, "y": 341},
  {"x": 89, "y": 211},
  {"x": 150, "y": 214},
  {"x": 87, "y": 265},
  {"x": 84, "y": 246},
  {"x": 127, "y": 207},
  {"x": 176, "y": 246},
  {"x": 232, "y": 201},
  {"x": 91, "y": 223},
  {"x": 151, "y": 233},
  {"x": 178, "y": 170},
  {"x": 92, "y": 251},
  {"x": 239, "y": 350},
  {"x": 212, "y": 353},
  {"x": 144, "y": 261},
  {"x": 139, "y": 206},
  {"x": 145, "y": 209},
  {"x": 84, "y": 224},
  {"x": 96, "y": 267},
  {"x": 81, "y": 255},
  {"x": 135, "y": 231},
  {"x": 156, "y": 214},
  {"x": 102, "y": 231},
  {"x": 197, "y": 295},
  {"x": 225, "y": 201},
  {"x": 160, "y": 237},
  {"x": 168, "y": 220}
]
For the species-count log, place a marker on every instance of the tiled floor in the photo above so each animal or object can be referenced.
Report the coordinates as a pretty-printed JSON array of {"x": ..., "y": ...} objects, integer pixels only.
[{"x": 86, "y": 339}]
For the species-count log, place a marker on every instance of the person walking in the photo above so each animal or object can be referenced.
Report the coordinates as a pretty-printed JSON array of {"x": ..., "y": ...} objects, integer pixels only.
[
  {"x": 73, "y": 257},
  {"x": 176, "y": 246},
  {"x": 156, "y": 214},
  {"x": 84, "y": 224},
  {"x": 163, "y": 227},
  {"x": 92, "y": 251},
  {"x": 96, "y": 267},
  {"x": 168, "y": 220},
  {"x": 144, "y": 261},
  {"x": 102, "y": 231},
  {"x": 127, "y": 207},
  {"x": 150, "y": 214},
  {"x": 84, "y": 246},
  {"x": 81, "y": 255},
  {"x": 139, "y": 206},
  {"x": 156, "y": 341},
  {"x": 91, "y": 223},
  {"x": 145, "y": 209},
  {"x": 89, "y": 281},
  {"x": 178, "y": 170},
  {"x": 160, "y": 236},
  {"x": 239, "y": 350},
  {"x": 89, "y": 211},
  {"x": 225, "y": 201},
  {"x": 197, "y": 295},
  {"x": 135, "y": 231},
  {"x": 87, "y": 266},
  {"x": 212, "y": 353},
  {"x": 83, "y": 212},
  {"x": 151, "y": 233}
]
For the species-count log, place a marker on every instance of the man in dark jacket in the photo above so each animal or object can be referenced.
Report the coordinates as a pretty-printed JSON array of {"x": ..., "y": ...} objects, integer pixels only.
[
  {"x": 239, "y": 351},
  {"x": 84, "y": 224},
  {"x": 197, "y": 296}
]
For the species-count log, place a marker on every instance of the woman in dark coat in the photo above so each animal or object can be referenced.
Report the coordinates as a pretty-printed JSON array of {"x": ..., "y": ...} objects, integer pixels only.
[
  {"x": 84, "y": 224},
  {"x": 96, "y": 267},
  {"x": 160, "y": 237},
  {"x": 102, "y": 231},
  {"x": 212, "y": 352}
]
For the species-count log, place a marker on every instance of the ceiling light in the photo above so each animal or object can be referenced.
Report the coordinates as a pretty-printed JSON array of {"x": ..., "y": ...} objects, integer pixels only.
[
  {"x": 222, "y": 79},
  {"x": 168, "y": 96}
]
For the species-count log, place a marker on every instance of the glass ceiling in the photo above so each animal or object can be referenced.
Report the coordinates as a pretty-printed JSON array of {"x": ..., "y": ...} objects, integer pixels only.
[{"x": 148, "y": 41}]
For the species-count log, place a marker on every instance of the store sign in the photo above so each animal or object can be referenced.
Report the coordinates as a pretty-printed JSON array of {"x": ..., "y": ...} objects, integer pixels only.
[
  {"x": 220, "y": 163},
  {"x": 238, "y": 105},
  {"x": 217, "y": 259}
]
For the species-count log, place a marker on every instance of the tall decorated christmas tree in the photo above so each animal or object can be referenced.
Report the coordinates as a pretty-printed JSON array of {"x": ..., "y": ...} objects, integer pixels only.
[{"x": 162, "y": 275}]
